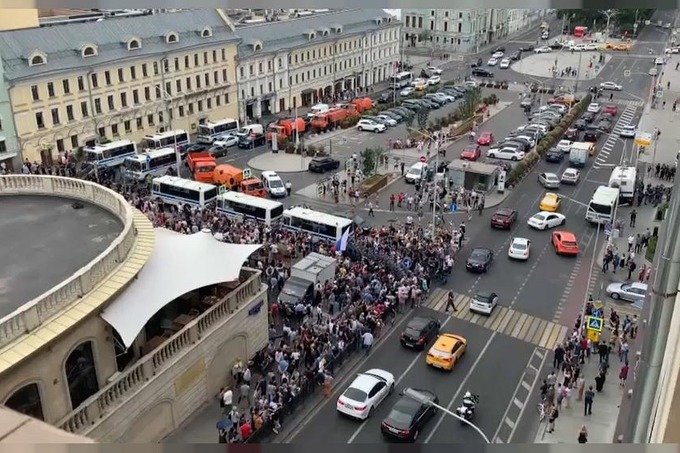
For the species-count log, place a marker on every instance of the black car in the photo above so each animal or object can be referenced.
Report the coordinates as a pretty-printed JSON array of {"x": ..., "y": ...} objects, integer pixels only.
[
  {"x": 604, "y": 125},
  {"x": 184, "y": 150},
  {"x": 323, "y": 164},
  {"x": 252, "y": 141},
  {"x": 498, "y": 49},
  {"x": 528, "y": 48},
  {"x": 571, "y": 134},
  {"x": 409, "y": 415},
  {"x": 581, "y": 124},
  {"x": 394, "y": 115},
  {"x": 419, "y": 332},
  {"x": 588, "y": 117},
  {"x": 554, "y": 155},
  {"x": 592, "y": 134},
  {"x": 478, "y": 63},
  {"x": 479, "y": 260},
  {"x": 405, "y": 112},
  {"x": 385, "y": 98},
  {"x": 514, "y": 144},
  {"x": 516, "y": 56},
  {"x": 481, "y": 72}
]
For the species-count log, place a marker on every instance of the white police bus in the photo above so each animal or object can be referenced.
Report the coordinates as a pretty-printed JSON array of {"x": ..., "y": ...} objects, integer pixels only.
[
  {"x": 153, "y": 162},
  {"x": 319, "y": 224},
  {"x": 178, "y": 191},
  {"x": 110, "y": 154},
  {"x": 602, "y": 207},
  {"x": 401, "y": 80},
  {"x": 210, "y": 130},
  {"x": 244, "y": 206},
  {"x": 624, "y": 179},
  {"x": 166, "y": 139}
]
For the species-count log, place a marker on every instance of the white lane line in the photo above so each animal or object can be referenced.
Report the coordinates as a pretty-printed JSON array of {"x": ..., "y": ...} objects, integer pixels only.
[
  {"x": 401, "y": 377},
  {"x": 509, "y": 422},
  {"x": 526, "y": 386},
  {"x": 531, "y": 391},
  {"x": 460, "y": 388},
  {"x": 518, "y": 403}
]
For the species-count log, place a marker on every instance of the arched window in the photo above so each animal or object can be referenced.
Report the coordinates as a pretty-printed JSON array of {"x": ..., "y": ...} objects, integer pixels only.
[
  {"x": 206, "y": 33},
  {"x": 81, "y": 374},
  {"x": 38, "y": 59},
  {"x": 89, "y": 51},
  {"x": 27, "y": 401},
  {"x": 171, "y": 38},
  {"x": 134, "y": 44}
]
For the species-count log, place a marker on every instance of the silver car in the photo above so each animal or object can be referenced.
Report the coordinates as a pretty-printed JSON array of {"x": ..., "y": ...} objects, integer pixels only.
[
  {"x": 631, "y": 292},
  {"x": 549, "y": 180}
]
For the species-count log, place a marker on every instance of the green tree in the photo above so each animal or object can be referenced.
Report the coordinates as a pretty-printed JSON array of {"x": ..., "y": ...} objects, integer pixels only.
[
  {"x": 409, "y": 120},
  {"x": 470, "y": 103},
  {"x": 368, "y": 162},
  {"x": 422, "y": 116}
]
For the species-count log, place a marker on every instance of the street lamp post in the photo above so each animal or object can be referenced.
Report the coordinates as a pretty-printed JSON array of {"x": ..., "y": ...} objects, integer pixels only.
[
  {"x": 168, "y": 100},
  {"x": 423, "y": 399},
  {"x": 436, "y": 166}
]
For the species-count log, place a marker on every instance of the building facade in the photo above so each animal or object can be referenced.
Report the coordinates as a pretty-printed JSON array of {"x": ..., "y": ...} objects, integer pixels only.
[
  {"x": 520, "y": 19},
  {"x": 73, "y": 85},
  {"x": 299, "y": 62}
]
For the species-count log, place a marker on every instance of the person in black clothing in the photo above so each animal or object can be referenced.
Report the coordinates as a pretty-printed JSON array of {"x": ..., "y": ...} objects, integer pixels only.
[
  {"x": 599, "y": 381},
  {"x": 449, "y": 302},
  {"x": 588, "y": 399}
]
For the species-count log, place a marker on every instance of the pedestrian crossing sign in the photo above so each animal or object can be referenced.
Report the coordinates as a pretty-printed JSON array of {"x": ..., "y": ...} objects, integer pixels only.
[
  {"x": 595, "y": 324},
  {"x": 593, "y": 336}
]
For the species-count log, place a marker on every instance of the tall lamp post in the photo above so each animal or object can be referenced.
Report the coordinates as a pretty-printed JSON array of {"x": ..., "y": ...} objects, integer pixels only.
[
  {"x": 436, "y": 167},
  {"x": 168, "y": 101}
]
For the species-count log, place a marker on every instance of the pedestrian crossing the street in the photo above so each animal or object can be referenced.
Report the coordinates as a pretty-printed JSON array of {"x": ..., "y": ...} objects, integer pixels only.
[
  {"x": 624, "y": 119},
  {"x": 504, "y": 320}
]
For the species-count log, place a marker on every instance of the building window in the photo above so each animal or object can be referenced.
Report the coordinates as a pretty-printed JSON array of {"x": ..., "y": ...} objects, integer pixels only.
[
  {"x": 145, "y": 73},
  {"x": 188, "y": 82},
  {"x": 55, "y": 116},
  {"x": 133, "y": 72},
  {"x": 166, "y": 65},
  {"x": 206, "y": 77},
  {"x": 37, "y": 60},
  {"x": 251, "y": 70},
  {"x": 226, "y": 98},
  {"x": 95, "y": 80},
  {"x": 134, "y": 44},
  {"x": 35, "y": 93},
  {"x": 195, "y": 59},
  {"x": 135, "y": 96},
  {"x": 208, "y": 103},
  {"x": 260, "y": 68},
  {"x": 89, "y": 51},
  {"x": 178, "y": 85},
  {"x": 83, "y": 109},
  {"x": 127, "y": 126},
  {"x": 107, "y": 77},
  {"x": 149, "y": 119},
  {"x": 101, "y": 132},
  {"x": 97, "y": 106},
  {"x": 190, "y": 107},
  {"x": 3, "y": 146},
  {"x": 198, "y": 82},
  {"x": 218, "y": 101},
  {"x": 186, "y": 61},
  {"x": 176, "y": 63},
  {"x": 224, "y": 54},
  {"x": 140, "y": 124},
  {"x": 74, "y": 141},
  {"x": 50, "y": 89},
  {"x": 114, "y": 130},
  {"x": 81, "y": 83},
  {"x": 155, "y": 68},
  {"x": 60, "y": 145},
  {"x": 123, "y": 99},
  {"x": 224, "y": 75},
  {"x": 181, "y": 111},
  {"x": 66, "y": 85},
  {"x": 252, "y": 91},
  {"x": 168, "y": 89},
  {"x": 205, "y": 57},
  {"x": 147, "y": 94},
  {"x": 270, "y": 88},
  {"x": 172, "y": 38},
  {"x": 158, "y": 91},
  {"x": 214, "y": 55},
  {"x": 200, "y": 106},
  {"x": 39, "y": 120},
  {"x": 216, "y": 77},
  {"x": 280, "y": 63},
  {"x": 69, "y": 113},
  {"x": 110, "y": 102},
  {"x": 242, "y": 72}
]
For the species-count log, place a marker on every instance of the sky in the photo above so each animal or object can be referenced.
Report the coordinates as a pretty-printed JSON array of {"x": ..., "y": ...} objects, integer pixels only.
[{"x": 395, "y": 12}]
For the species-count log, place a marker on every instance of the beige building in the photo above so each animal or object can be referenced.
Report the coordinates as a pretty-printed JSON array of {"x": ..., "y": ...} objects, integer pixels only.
[
  {"x": 72, "y": 85},
  {"x": 116, "y": 356},
  {"x": 299, "y": 62}
]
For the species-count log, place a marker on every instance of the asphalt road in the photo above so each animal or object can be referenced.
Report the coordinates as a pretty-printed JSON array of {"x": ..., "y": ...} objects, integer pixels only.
[{"x": 478, "y": 372}]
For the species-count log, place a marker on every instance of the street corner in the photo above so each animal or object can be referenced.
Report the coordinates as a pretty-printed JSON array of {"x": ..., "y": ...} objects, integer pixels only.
[
  {"x": 587, "y": 65},
  {"x": 280, "y": 162}
]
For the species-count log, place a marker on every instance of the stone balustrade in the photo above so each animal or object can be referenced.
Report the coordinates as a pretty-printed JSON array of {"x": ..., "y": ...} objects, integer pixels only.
[
  {"x": 34, "y": 313},
  {"x": 86, "y": 416}
]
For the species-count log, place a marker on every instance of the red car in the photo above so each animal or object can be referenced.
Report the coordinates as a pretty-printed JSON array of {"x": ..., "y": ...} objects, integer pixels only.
[
  {"x": 504, "y": 218},
  {"x": 471, "y": 152},
  {"x": 611, "y": 109},
  {"x": 565, "y": 243},
  {"x": 485, "y": 138}
]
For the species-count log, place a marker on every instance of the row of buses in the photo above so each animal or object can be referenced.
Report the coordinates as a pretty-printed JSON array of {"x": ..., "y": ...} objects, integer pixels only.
[
  {"x": 180, "y": 192},
  {"x": 621, "y": 190},
  {"x": 161, "y": 149}
]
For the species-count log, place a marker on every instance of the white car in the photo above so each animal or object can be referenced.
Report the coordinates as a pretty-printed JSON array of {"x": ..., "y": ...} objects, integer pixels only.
[
  {"x": 505, "y": 153},
  {"x": 505, "y": 63},
  {"x": 484, "y": 302},
  {"x": 544, "y": 220},
  {"x": 594, "y": 107},
  {"x": 445, "y": 97},
  {"x": 418, "y": 81},
  {"x": 434, "y": 70},
  {"x": 498, "y": 54},
  {"x": 658, "y": 61},
  {"x": 570, "y": 176},
  {"x": 368, "y": 125},
  {"x": 470, "y": 83},
  {"x": 564, "y": 145},
  {"x": 365, "y": 393},
  {"x": 226, "y": 141},
  {"x": 628, "y": 131},
  {"x": 519, "y": 249},
  {"x": 578, "y": 47},
  {"x": 391, "y": 122},
  {"x": 610, "y": 86},
  {"x": 273, "y": 184},
  {"x": 492, "y": 61},
  {"x": 434, "y": 80},
  {"x": 549, "y": 180},
  {"x": 653, "y": 72},
  {"x": 408, "y": 91},
  {"x": 543, "y": 49},
  {"x": 590, "y": 47}
]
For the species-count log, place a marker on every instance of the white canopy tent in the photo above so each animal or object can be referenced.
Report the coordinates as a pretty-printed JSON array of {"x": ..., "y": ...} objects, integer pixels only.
[{"x": 179, "y": 264}]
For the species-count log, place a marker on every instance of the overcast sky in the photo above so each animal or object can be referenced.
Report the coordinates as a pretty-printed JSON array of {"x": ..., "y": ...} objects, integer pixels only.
[{"x": 395, "y": 12}]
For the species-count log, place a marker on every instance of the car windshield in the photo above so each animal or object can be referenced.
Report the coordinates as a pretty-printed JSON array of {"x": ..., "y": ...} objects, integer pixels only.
[
  {"x": 413, "y": 171},
  {"x": 478, "y": 255},
  {"x": 540, "y": 217},
  {"x": 483, "y": 298},
  {"x": 355, "y": 394},
  {"x": 439, "y": 353},
  {"x": 412, "y": 332},
  {"x": 294, "y": 290},
  {"x": 519, "y": 246},
  {"x": 275, "y": 183},
  {"x": 399, "y": 416}
]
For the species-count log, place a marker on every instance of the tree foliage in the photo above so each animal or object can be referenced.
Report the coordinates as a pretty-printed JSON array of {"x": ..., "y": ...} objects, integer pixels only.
[
  {"x": 620, "y": 18},
  {"x": 470, "y": 102},
  {"x": 422, "y": 116},
  {"x": 371, "y": 159},
  {"x": 409, "y": 120}
]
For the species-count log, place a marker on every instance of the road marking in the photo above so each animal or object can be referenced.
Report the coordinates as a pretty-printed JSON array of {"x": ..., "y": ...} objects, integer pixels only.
[
  {"x": 460, "y": 388},
  {"x": 518, "y": 403},
  {"x": 509, "y": 422},
  {"x": 401, "y": 377}
]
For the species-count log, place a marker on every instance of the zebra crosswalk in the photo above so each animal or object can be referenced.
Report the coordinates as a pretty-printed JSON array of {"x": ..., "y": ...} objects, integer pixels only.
[
  {"x": 626, "y": 102},
  {"x": 624, "y": 119},
  {"x": 504, "y": 320}
]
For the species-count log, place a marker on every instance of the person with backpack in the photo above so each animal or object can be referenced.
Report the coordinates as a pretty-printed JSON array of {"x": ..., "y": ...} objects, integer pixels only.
[{"x": 554, "y": 414}]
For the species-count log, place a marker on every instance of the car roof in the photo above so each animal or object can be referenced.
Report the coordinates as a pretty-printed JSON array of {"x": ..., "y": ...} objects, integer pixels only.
[
  {"x": 480, "y": 249},
  {"x": 419, "y": 322},
  {"x": 269, "y": 174},
  {"x": 505, "y": 211},
  {"x": 520, "y": 240},
  {"x": 566, "y": 235},
  {"x": 551, "y": 195},
  {"x": 447, "y": 340},
  {"x": 550, "y": 175},
  {"x": 366, "y": 381},
  {"x": 571, "y": 170}
]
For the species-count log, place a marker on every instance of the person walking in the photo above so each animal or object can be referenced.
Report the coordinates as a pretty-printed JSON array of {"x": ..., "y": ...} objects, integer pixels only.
[
  {"x": 558, "y": 357},
  {"x": 327, "y": 385},
  {"x": 370, "y": 209},
  {"x": 583, "y": 435},
  {"x": 554, "y": 414},
  {"x": 367, "y": 338},
  {"x": 450, "y": 302},
  {"x": 623, "y": 375},
  {"x": 588, "y": 401},
  {"x": 633, "y": 218}
]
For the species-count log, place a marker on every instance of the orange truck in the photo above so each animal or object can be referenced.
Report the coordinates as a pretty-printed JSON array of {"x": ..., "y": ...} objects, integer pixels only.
[
  {"x": 232, "y": 178},
  {"x": 362, "y": 104},
  {"x": 329, "y": 120},
  {"x": 285, "y": 128},
  {"x": 202, "y": 166}
]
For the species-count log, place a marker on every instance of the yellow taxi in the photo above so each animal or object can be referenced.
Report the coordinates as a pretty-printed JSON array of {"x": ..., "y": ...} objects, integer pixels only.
[
  {"x": 446, "y": 351},
  {"x": 550, "y": 202}
]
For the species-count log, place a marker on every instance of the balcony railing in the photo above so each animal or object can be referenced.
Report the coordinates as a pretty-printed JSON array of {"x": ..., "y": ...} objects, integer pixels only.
[
  {"x": 95, "y": 408},
  {"x": 34, "y": 313}
]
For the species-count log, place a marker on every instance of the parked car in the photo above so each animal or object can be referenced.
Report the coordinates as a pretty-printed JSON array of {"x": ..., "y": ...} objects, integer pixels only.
[
  {"x": 481, "y": 72},
  {"x": 471, "y": 152},
  {"x": 370, "y": 126},
  {"x": 323, "y": 164},
  {"x": 611, "y": 86}
]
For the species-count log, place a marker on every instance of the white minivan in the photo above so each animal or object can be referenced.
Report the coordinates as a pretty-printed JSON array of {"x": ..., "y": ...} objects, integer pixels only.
[
  {"x": 416, "y": 173},
  {"x": 318, "y": 108},
  {"x": 273, "y": 184}
]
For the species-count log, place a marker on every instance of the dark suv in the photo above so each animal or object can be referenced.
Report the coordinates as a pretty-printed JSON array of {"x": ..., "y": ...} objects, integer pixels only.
[{"x": 592, "y": 134}]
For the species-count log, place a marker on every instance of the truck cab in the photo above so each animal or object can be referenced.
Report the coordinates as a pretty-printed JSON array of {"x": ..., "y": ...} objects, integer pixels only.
[
  {"x": 202, "y": 166},
  {"x": 254, "y": 187}
]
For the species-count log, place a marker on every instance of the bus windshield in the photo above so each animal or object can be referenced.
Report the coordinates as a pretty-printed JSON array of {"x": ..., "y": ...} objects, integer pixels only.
[
  {"x": 600, "y": 209},
  {"x": 133, "y": 165}
]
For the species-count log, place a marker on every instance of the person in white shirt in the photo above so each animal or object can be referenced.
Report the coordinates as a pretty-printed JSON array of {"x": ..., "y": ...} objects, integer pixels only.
[
  {"x": 227, "y": 401},
  {"x": 367, "y": 338}
]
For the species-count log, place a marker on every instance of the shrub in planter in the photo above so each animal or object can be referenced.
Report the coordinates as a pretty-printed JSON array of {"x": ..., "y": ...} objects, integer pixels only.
[{"x": 651, "y": 248}]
